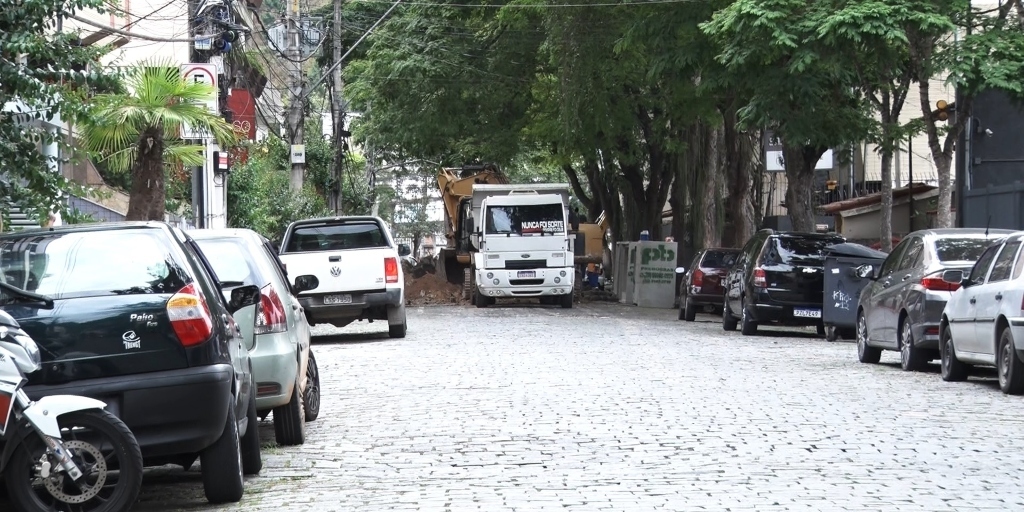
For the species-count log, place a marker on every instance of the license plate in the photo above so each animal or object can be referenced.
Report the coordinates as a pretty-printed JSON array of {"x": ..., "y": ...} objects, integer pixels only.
[
  {"x": 807, "y": 313},
  {"x": 526, "y": 273},
  {"x": 338, "y": 299}
]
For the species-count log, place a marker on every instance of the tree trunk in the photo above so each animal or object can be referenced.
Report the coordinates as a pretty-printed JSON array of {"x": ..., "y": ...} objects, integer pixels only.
[
  {"x": 800, "y": 161},
  {"x": 714, "y": 162},
  {"x": 147, "y": 199},
  {"x": 742, "y": 165},
  {"x": 942, "y": 153}
]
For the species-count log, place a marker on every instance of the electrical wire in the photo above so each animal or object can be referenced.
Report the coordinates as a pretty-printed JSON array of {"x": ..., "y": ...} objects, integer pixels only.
[
  {"x": 538, "y": 6},
  {"x": 140, "y": 36}
]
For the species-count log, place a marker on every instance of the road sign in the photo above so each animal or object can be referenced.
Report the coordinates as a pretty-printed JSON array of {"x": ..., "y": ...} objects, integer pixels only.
[
  {"x": 206, "y": 74},
  {"x": 298, "y": 153}
]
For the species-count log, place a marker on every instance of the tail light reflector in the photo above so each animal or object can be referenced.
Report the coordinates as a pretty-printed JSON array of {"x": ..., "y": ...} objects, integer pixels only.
[
  {"x": 760, "y": 280},
  {"x": 935, "y": 283},
  {"x": 190, "y": 316},
  {"x": 270, "y": 315},
  {"x": 698, "y": 278},
  {"x": 391, "y": 270}
]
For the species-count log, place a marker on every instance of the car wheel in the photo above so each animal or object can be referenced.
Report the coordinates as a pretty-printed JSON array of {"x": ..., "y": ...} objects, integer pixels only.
[
  {"x": 952, "y": 369},
  {"x": 222, "y": 465},
  {"x": 479, "y": 300},
  {"x": 1011, "y": 370},
  {"x": 311, "y": 395},
  {"x": 747, "y": 324},
  {"x": 865, "y": 353},
  {"x": 911, "y": 358},
  {"x": 397, "y": 324},
  {"x": 289, "y": 421},
  {"x": 728, "y": 322},
  {"x": 689, "y": 311},
  {"x": 252, "y": 461}
]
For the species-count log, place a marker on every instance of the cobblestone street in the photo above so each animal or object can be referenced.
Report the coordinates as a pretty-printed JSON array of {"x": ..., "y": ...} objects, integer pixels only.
[{"x": 605, "y": 407}]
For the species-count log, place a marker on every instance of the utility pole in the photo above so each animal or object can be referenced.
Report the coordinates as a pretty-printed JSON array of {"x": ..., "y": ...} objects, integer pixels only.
[
  {"x": 338, "y": 109},
  {"x": 295, "y": 106}
]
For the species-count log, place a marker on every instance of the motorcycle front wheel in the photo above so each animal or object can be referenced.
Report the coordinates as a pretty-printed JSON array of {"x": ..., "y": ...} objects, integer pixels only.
[{"x": 102, "y": 447}]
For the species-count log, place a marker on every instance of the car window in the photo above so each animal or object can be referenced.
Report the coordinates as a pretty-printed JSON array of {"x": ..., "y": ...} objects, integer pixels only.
[
  {"x": 1018, "y": 267},
  {"x": 980, "y": 269},
  {"x": 94, "y": 263},
  {"x": 1004, "y": 263},
  {"x": 891, "y": 261},
  {"x": 718, "y": 259},
  {"x": 912, "y": 257},
  {"x": 795, "y": 250},
  {"x": 961, "y": 249},
  {"x": 335, "y": 237},
  {"x": 268, "y": 250},
  {"x": 231, "y": 261}
]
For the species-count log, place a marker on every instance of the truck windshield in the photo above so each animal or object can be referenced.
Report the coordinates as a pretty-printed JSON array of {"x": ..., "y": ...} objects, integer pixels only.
[{"x": 525, "y": 219}]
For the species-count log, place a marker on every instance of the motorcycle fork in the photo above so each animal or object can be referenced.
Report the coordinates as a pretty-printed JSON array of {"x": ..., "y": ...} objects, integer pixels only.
[{"x": 53, "y": 446}]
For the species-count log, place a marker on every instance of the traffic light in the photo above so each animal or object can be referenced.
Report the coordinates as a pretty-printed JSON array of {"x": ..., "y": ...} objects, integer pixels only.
[{"x": 944, "y": 110}]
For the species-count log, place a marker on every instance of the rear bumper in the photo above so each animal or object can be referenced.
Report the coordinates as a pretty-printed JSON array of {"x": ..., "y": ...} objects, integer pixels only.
[
  {"x": 926, "y": 324},
  {"x": 716, "y": 298},
  {"x": 318, "y": 312},
  {"x": 768, "y": 310},
  {"x": 274, "y": 368},
  {"x": 171, "y": 412}
]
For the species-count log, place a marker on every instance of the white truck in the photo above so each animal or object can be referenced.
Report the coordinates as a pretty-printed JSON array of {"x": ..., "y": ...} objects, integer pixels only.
[
  {"x": 355, "y": 266},
  {"x": 523, "y": 245}
]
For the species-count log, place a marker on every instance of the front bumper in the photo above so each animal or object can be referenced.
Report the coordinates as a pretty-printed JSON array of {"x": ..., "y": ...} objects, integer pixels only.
[
  {"x": 319, "y": 312},
  {"x": 274, "y": 368},
  {"x": 500, "y": 283}
]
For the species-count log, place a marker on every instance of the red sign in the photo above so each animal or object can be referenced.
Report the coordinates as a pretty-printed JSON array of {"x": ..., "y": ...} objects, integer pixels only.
[{"x": 243, "y": 106}]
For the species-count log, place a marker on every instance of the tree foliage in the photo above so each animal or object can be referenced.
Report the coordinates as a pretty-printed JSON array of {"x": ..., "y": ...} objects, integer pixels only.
[{"x": 45, "y": 75}]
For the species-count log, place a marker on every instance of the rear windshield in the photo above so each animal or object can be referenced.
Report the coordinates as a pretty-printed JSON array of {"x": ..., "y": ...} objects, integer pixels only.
[
  {"x": 718, "y": 259},
  {"x": 231, "y": 261},
  {"x": 792, "y": 250},
  {"x": 96, "y": 263},
  {"x": 337, "y": 237},
  {"x": 961, "y": 249}
]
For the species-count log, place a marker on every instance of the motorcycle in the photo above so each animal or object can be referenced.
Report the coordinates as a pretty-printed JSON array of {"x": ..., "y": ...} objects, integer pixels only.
[{"x": 61, "y": 452}]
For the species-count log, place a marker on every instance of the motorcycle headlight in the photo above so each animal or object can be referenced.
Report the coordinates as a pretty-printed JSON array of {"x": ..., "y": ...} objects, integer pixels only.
[{"x": 30, "y": 347}]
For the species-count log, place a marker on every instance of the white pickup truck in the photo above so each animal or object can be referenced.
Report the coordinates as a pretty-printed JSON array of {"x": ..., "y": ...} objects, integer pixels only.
[{"x": 356, "y": 267}]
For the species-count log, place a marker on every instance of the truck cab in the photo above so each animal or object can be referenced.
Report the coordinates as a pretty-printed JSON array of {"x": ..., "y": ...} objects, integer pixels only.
[{"x": 521, "y": 233}]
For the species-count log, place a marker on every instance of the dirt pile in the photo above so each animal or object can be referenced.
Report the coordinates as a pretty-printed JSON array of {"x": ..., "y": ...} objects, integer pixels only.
[{"x": 431, "y": 290}]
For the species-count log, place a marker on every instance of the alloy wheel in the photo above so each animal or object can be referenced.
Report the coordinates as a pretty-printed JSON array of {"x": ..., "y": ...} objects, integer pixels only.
[
  {"x": 1005, "y": 359},
  {"x": 905, "y": 344},
  {"x": 862, "y": 335}
]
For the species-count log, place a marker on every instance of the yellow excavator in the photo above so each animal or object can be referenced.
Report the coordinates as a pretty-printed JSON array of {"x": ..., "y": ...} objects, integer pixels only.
[{"x": 454, "y": 258}]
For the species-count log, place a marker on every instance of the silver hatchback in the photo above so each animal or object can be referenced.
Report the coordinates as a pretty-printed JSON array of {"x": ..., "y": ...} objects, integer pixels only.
[{"x": 901, "y": 308}]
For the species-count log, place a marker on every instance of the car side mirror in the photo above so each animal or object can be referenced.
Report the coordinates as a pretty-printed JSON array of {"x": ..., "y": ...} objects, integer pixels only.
[
  {"x": 680, "y": 270},
  {"x": 865, "y": 272},
  {"x": 305, "y": 283},
  {"x": 404, "y": 250},
  {"x": 243, "y": 296},
  {"x": 954, "y": 277},
  {"x": 469, "y": 224}
]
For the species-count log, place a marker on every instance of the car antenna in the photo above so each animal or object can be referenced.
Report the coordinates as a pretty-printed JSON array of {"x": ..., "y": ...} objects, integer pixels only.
[{"x": 987, "y": 223}]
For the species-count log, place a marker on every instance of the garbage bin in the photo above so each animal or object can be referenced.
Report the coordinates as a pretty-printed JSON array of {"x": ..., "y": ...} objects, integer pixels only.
[{"x": 843, "y": 287}]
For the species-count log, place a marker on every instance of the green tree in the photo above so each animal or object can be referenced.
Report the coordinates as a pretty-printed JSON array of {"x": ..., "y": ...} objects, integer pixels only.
[
  {"x": 45, "y": 74},
  {"x": 138, "y": 132}
]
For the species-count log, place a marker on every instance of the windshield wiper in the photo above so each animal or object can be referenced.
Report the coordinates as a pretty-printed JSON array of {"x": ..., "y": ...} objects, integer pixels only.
[{"x": 27, "y": 296}]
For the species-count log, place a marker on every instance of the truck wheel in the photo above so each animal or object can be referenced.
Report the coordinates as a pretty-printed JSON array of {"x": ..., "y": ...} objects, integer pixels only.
[
  {"x": 566, "y": 301},
  {"x": 479, "y": 300},
  {"x": 467, "y": 284}
]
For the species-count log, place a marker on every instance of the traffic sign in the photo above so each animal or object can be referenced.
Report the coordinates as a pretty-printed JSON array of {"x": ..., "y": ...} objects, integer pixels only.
[{"x": 207, "y": 74}]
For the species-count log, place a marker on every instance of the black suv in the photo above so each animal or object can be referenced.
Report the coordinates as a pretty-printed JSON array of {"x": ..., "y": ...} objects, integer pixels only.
[
  {"x": 778, "y": 278},
  {"x": 139, "y": 322}
]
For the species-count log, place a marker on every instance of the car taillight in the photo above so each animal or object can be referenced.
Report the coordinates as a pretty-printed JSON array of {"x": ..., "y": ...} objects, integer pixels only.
[
  {"x": 391, "y": 270},
  {"x": 760, "y": 281},
  {"x": 190, "y": 316},
  {"x": 935, "y": 283},
  {"x": 270, "y": 315},
  {"x": 698, "y": 278}
]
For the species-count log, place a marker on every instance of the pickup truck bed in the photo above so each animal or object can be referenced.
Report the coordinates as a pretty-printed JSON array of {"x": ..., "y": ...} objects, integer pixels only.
[{"x": 357, "y": 267}]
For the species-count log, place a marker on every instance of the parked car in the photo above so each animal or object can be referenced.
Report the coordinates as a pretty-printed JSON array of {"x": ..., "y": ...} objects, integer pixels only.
[
  {"x": 777, "y": 278},
  {"x": 139, "y": 322},
  {"x": 983, "y": 322},
  {"x": 355, "y": 263},
  {"x": 275, "y": 329},
  {"x": 901, "y": 308},
  {"x": 701, "y": 285}
]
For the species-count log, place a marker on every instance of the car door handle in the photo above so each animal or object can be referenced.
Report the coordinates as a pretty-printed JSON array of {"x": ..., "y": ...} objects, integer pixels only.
[
  {"x": 973, "y": 300},
  {"x": 334, "y": 258},
  {"x": 999, "y": 296},
  {"x": 906, "y": 277}
]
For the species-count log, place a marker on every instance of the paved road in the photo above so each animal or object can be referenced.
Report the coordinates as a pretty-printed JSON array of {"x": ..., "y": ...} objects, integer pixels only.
[{"x": 612, "y": 408}]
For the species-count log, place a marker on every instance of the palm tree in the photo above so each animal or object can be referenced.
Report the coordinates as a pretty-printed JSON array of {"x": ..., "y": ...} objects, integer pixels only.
[{"x": 138, "y": 132}]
